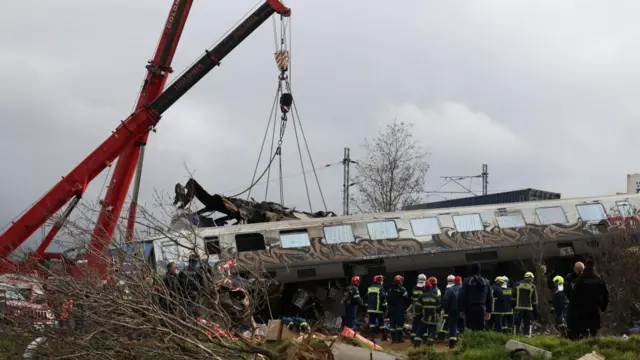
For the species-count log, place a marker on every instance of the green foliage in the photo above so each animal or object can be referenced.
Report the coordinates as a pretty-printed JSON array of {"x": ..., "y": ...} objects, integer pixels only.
[{"x": 490, "y": 346}]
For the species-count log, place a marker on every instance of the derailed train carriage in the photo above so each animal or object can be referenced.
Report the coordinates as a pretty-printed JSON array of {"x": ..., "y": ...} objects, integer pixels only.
[{"x": 303, "y": 250}]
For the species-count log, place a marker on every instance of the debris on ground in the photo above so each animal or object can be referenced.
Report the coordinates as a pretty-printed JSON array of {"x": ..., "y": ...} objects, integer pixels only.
[{"x": 514, "y": 347}]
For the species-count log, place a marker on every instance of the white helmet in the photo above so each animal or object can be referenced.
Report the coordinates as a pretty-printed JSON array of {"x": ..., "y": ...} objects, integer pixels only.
[
  {"x": 451, "y": 278},
  {"x": 422, "y": 279}
]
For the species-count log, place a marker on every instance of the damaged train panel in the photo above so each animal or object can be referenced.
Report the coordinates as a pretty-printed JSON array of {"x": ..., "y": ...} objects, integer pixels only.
[{"x": 234, "y": 210}]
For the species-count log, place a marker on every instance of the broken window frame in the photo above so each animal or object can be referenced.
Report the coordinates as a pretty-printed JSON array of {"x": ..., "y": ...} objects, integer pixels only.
[
  {"x": 542, "y": 219},
  {"x": 390, "y": 230},
  {"x": 511, "y": 224},
  {"x": 169, "y": 244},
  {"x": 244, "y": 248},
  {"x": 416, "y": 229},
  {"x": 304, "y": 239},
  {"x": 586, "y": 212},
  {"x": 346, "y": 232},
  {"x": 215, "y": 242},
  {"x": 625, "y": 208},
  {"x": 477, "y": 225}
]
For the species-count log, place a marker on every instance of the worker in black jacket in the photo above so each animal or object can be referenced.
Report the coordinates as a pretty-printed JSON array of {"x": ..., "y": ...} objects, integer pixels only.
[
  {"x": 428, "y": 303},
  {"x": 499, "y": 306},
  {"x": 450, "y": 307},
  {"x": 352, "y": 300},
  {"x": 376, "y": 307},
  {"x": 415, "y": 294},
  {"x": 526, "y": 303},
  {"x": 588, "y": 298},
  {"x": 559, "y": 302},
  {"x": 194, "y": 284},
  {"x": 474, "y": 299},
  {"x": 508, "y": 302},
  {"x": 569, "y": 280},
  {"x": 397, "y": 298}
]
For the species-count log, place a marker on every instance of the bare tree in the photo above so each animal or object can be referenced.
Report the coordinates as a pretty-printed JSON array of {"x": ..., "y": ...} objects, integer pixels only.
[{"x": 393, "y": 173}]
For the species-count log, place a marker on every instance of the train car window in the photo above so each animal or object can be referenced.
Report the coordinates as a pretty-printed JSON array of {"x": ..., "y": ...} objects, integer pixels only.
[
  {"x": 169, "y": 251},
  {"x": 250, "y": 242},
  {"x": 468, "y": 222},
  {"x": 551, "y": 215},
  {"x": 338, "y": 234},
  {"x": 294, "y": 239},
  {"x": 511, "y": 221},
  {"x": 625, "y": 208},
  {"x": 591, "y": 212},
  {"x": 425, "y": 226},
  {"x": 382, "y": 230},
  {"x": 212, "y": 245}
]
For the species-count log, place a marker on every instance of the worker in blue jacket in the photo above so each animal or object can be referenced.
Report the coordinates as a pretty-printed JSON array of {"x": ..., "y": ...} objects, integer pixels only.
[
  {"x": 352, "y": 300},
  {"x": 474, "y": 299},
  {"x": 450, "y": 307},
  {"x": 376, "y": 307}
]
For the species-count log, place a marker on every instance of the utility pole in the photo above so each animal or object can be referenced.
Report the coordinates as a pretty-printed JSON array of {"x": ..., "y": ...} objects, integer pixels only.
[
  {"x": 346, "y": 181},
  {"x": 465, "y": 189},
  {"x": 485, "y": 179}
]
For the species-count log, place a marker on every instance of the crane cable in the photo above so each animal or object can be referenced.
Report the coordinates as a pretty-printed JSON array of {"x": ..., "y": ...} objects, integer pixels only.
[{"x": 283, "y": 92}]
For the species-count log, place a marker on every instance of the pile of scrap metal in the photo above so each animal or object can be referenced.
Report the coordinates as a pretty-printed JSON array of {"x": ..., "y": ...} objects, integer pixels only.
[{"x": 242, "y": 211}]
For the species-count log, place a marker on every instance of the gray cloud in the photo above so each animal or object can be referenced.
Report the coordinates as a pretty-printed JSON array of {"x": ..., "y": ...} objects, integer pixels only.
[{"x": 544, "y": 92}]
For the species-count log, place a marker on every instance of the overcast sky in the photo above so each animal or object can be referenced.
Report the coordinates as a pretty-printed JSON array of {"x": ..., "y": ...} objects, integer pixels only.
[{"x": 542, "y": 91}]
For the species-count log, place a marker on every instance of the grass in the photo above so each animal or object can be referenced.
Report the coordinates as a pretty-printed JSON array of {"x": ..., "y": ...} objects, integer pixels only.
[{"x": 490, "y": 346}]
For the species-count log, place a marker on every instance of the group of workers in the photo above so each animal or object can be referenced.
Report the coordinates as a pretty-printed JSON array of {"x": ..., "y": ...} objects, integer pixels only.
[{"x": 476, "y": 304}]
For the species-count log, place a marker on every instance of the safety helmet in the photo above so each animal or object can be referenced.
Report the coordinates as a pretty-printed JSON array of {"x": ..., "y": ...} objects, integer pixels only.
[
  {"x": 499, "y": 279},
  {"x": 528, "y": 275},
  {"x": 457, "y": 280},
  {"x": 422, "y": 278},
  {"x": 378, "y": 279},
  {"x": 451, "y": 278},
  {"x": 398, "y": 278},
  {"x": 558, "y": 280},
  {"x": 506, "y": 279},
  {"x": 355, "y": 280},
  {"x": 432, "y": 280}
]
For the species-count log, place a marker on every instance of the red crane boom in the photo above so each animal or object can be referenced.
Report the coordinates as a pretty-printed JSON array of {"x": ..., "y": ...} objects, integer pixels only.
[
  {"x": 136, "y": 125},
  {"x": 158, "y": 71}
]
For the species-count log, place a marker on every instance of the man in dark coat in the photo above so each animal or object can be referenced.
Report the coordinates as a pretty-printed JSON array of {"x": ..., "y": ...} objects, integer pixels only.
[
  {"x": 173, "y": 288},
  {"x": 588, "y": 298},
  {"x": 474, "y": 299},
  {"x": 569, "y": 280},
  {"x": 194, "y": 285}
]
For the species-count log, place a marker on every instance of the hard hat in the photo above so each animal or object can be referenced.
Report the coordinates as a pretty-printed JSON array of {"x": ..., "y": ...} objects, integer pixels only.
[
  {"x": 528, "y": 275},
  {"x": 378, "y": 279},
  {"x": 398, "y": 278},
  {"x": 422, "y": 277},
  {"x": 499, "y": 278},
  {"x": 451, "y": 278},
  {"x": 432, "y": 280},
  {"x": 458, "y": 280},
  {"x": 506, "y": 279},
  {"x": 355, "y": 280},
  {"x": 558, "y": 280}
]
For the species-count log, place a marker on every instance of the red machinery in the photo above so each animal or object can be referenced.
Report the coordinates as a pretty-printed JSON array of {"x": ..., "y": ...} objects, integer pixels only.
[{"x": 125, "y": 141}]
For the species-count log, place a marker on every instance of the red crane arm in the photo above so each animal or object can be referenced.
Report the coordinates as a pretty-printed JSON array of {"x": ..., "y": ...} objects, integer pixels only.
[
  {"x": 136, "y": 125},
  {"x": 157, "y": 74}
]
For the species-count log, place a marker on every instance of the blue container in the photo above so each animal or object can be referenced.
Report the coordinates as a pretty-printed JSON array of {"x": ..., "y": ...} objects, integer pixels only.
[{"x": 497, "y": 198}]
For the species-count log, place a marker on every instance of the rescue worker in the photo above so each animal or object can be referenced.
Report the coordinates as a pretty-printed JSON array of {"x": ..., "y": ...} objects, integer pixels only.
[
  {"x": 509, "y": 302},
  {"x": 495, "y": 322},
  {"x": 589, "y": 298},
  {"x": 474, "y": 299},
  {"x": 444, "y": 327},
  {"x": 397, "y": 298},
  {"x": 174, "y": 289},
  {"x": 451, "y": 310},
  {"x": 194, "y": 284},
  {"x": 559, "y": 302},
  {"x": 526, "y": 304},
  {"x": 352, "y": 300},
  {"x": 376, "y": 307},
  {"x": 428, "y": 304},
  {"x": 415, "y": 294},
  {"x": 572, "y": 319}
]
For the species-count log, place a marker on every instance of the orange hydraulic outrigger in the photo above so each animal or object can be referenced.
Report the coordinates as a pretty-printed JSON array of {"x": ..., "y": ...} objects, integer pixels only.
[{"x": 125, "y": 141}]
